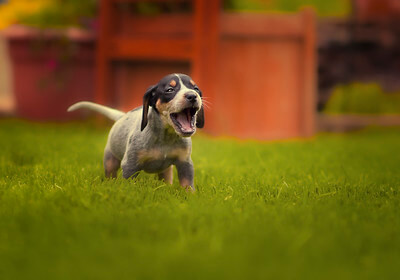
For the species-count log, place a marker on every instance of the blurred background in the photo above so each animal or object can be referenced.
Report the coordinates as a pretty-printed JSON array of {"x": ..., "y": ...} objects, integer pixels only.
[{"x": 269, "y": 69}]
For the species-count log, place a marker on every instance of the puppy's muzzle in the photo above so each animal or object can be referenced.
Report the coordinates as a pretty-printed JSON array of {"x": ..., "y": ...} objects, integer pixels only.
[{"x": 185, "y": 120}]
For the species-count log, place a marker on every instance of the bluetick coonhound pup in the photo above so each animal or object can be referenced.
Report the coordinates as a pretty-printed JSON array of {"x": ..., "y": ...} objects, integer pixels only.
[{"x": 155, "y": 136}]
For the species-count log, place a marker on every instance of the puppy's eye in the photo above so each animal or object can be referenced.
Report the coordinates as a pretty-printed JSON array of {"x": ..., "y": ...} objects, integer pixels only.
[
  {"x": 196, "y": 89},
  {"x": 170, "y": 89}
]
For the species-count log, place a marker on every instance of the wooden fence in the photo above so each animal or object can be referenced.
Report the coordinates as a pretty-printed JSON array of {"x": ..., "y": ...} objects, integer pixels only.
[{"x": 257, "y": 71}]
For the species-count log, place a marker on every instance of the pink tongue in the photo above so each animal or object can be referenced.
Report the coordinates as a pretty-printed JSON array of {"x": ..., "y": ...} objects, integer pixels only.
[{"x": 183, "y": 120}]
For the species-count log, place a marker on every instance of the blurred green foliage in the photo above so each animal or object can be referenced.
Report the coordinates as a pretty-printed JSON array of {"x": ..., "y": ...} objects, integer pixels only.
[
  {"x": 62, "y": 13},
  {"x": 337, "y": 8},
  {"x": 360, "y": 98}
]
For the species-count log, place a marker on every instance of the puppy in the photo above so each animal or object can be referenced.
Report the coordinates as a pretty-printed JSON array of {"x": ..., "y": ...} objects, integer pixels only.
[{"x": 155, "y": 136}]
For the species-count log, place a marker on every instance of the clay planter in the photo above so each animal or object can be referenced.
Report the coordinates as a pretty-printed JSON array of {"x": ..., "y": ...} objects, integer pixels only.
[{"x": 51, "y": 70}]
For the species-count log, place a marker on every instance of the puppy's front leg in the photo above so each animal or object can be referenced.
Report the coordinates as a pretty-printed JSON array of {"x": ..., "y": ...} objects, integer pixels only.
[
  {"x": 129, "y": 166},
  {"x": 166, "y": 175},
  {"x": 186, "y": 174}
]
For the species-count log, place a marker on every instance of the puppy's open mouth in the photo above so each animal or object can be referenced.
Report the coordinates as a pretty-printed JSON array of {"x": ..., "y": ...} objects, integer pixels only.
[{"x": 184, "y": 121}]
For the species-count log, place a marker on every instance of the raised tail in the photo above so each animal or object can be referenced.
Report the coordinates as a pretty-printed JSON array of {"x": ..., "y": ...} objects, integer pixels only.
[{"x": 106, "y": 111}]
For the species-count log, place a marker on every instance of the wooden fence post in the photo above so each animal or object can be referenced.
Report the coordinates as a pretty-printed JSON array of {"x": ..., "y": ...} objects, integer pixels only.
[
  {"x": 310, "y": 64},
  {"x": 206, "y": 43},
  {"x": 103, "y": 75}
]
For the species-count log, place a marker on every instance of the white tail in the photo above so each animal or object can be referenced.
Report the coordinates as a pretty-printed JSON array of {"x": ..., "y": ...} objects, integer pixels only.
[{"x": 106, "y": 111}]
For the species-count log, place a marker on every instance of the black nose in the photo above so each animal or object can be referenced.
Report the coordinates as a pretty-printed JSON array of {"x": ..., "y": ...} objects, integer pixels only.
[{"x": 191, "y": 97}]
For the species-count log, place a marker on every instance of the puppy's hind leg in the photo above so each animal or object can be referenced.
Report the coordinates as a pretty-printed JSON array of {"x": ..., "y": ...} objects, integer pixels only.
[
  {"x": 166, "y": 175},
  {"x": 111, "y": 164}
]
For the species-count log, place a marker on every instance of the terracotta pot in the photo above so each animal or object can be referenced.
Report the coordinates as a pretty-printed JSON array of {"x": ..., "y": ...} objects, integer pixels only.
[{"x": 52, "y": 69}]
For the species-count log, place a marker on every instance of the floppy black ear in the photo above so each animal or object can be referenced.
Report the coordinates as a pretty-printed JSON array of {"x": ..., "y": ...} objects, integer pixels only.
[
  {"x": 200, "y": 118},
  {"x": 147, "y": 98}
]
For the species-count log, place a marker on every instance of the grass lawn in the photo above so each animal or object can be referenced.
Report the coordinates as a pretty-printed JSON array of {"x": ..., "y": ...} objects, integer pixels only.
[{"x": 325, "y": 208}]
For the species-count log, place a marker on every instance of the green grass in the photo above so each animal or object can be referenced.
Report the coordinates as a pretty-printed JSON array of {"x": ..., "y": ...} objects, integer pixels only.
[{"x": 325, "y": 208}]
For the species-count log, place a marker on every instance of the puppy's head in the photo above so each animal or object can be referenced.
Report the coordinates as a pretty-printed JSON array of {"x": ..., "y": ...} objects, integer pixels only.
[{"x": 177, "y": 99}]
